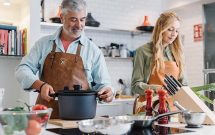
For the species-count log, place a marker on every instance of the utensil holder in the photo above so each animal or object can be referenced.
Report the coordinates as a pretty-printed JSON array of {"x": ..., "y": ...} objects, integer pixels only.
[{"x": 188, "y": 99}]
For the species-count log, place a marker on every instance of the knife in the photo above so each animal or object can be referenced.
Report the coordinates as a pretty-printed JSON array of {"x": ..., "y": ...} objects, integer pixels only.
[
  {"x": 172, "y": 82},
  {"x": 169, "y": 92},
  {"x": 168, "y": 85},
  {"x": 176, "y": 81}
]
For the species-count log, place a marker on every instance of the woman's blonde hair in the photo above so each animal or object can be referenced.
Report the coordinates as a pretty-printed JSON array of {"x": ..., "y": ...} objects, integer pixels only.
[{"x": 164, "y": 22}]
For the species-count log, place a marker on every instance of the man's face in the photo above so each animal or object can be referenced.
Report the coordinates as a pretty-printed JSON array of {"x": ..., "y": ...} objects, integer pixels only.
[{"x": 73, "y": 23}]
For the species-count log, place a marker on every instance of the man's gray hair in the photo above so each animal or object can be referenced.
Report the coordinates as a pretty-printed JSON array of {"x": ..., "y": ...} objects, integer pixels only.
[{"x": 73, "y": 5}]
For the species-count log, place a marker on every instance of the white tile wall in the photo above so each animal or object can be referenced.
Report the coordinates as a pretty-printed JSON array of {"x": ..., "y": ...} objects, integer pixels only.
[
  {"x": 124, "y": 14},
  {"x": 191, "y": 15}
]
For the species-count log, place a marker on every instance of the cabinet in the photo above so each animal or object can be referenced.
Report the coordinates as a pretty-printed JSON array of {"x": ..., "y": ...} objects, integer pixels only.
[{"x": 115, "y": 108}]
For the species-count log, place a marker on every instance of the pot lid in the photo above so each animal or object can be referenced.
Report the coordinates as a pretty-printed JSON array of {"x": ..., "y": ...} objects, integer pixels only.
[
  {"x": 74, "y": 93},
  {"x": 77, "y": 91}
]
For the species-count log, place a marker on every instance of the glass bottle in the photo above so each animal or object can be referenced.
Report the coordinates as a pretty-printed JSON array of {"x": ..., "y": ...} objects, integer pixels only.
[
  {"x": 162, "y": 106},
  {"x": 59, "y": 11},
  {"x": 148, "y": 94}
]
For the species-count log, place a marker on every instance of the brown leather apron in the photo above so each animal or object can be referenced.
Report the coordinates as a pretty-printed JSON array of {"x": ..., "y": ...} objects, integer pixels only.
[
  {"x": 60, "y": 70},
  {"x": 157, "y": 78}
]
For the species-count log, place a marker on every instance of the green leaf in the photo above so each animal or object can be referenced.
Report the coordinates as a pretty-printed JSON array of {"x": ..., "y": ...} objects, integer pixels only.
[
  {"x": 207, "y": 87},
  {"x": 204, "y": 98}
]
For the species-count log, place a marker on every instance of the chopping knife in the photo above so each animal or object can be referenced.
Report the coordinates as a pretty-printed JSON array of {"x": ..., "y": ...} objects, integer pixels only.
[
  {"x": 172, "y": 82},
  {"x": 169, "y": 86},
  {"x": 168, "y": 90},
  {"x": 176, "y": 81}
]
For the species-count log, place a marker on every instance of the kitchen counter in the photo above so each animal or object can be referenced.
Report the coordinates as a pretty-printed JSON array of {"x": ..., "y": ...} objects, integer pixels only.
[{"x": 206, "y": 129}]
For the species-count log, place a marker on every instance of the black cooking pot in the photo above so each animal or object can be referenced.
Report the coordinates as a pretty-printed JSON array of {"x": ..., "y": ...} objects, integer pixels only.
[{"x": 76, "y": 104}]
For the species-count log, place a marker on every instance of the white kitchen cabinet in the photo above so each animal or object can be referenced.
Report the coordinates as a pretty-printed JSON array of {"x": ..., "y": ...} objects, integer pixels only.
[{"x": 115, "y": 108}]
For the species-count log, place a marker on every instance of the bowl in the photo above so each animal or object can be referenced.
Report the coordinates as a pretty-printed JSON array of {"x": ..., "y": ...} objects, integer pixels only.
[
  {"x": 55, "y": 20},
  {"x": 105, "y": 126},
  {"x": 145, "y": 28},
  {"x": 194, "y": 119},
  {"x": 23, "y": 122}
]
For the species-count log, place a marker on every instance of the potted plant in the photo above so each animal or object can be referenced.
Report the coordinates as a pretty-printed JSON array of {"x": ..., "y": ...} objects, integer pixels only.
[{"x": 200, "y": 89}]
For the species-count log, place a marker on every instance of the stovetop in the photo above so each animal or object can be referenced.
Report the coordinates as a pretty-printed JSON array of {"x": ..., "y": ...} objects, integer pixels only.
[{"x": 155, "y": 130}]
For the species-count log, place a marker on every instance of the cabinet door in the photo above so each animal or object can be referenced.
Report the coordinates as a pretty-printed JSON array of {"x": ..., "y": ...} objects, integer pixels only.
[{"x": 127, "y": 107}]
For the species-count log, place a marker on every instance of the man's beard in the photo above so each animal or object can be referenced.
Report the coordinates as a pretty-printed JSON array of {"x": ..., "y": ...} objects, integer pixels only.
[{"x": 75, "y": 32}]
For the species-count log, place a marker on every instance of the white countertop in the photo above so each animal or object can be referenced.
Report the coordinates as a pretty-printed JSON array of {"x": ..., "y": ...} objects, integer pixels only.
[{"x": 205, "y": 130}]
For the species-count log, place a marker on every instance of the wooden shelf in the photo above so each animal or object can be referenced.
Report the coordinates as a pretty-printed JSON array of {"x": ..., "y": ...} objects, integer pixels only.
[
  {"x": 118, "y": 58},
  {"x": 11, "y": 56}
]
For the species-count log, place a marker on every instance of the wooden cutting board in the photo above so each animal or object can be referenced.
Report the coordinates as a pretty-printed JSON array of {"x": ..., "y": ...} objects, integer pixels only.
[
  {"x": 68, "y": 123},
  {"x": 64, "y": 123}
]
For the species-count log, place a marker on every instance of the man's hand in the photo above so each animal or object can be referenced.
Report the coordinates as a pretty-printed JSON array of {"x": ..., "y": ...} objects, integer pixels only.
[
  {"x": 106, "y": 94},
  {"x": 45, "y": 91}
]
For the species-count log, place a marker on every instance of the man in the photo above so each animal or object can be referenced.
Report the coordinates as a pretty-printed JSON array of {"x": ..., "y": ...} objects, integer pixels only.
[{"x": 66, "y": 58}]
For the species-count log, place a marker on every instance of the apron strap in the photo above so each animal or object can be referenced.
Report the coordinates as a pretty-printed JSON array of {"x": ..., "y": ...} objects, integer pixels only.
[
  {"x": 54, "y": 46},
  {"x": 78, "y": 48},
  {"x": 77, "y": 51}
]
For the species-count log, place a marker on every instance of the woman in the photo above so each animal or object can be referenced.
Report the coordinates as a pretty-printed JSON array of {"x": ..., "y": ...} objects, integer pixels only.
[{"x": 163, "y": 55}]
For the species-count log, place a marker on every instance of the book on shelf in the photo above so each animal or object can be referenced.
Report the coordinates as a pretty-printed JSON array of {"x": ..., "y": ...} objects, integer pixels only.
[
  {"x": 24, "y": 41},
  {"x": 13, "y": 41},
  {"x": 3, "y": 41}
]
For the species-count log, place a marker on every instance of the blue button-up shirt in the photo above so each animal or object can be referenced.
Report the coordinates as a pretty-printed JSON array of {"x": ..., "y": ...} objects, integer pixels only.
[{"x": 93, "y": 59}]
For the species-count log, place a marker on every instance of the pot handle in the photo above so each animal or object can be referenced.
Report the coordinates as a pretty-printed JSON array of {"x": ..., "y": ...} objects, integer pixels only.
[
  {"x": 98, "y": 98},
  {"x": 51, "y": 95},
  {"x": 166, "y": 114}
]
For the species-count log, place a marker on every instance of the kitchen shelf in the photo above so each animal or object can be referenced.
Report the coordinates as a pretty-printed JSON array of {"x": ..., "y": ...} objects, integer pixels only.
[
  {"x": 11, "y": 56},
  {"x": 118, "y": 58},
  {"x": 47, "y": 25}
]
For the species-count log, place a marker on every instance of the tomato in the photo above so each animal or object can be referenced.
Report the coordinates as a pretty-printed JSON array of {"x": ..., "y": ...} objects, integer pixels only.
[
  {"x": 33, "y": 128},
  {"x": 40, "y": 118},
  {"x": 39, "y": 107}
]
